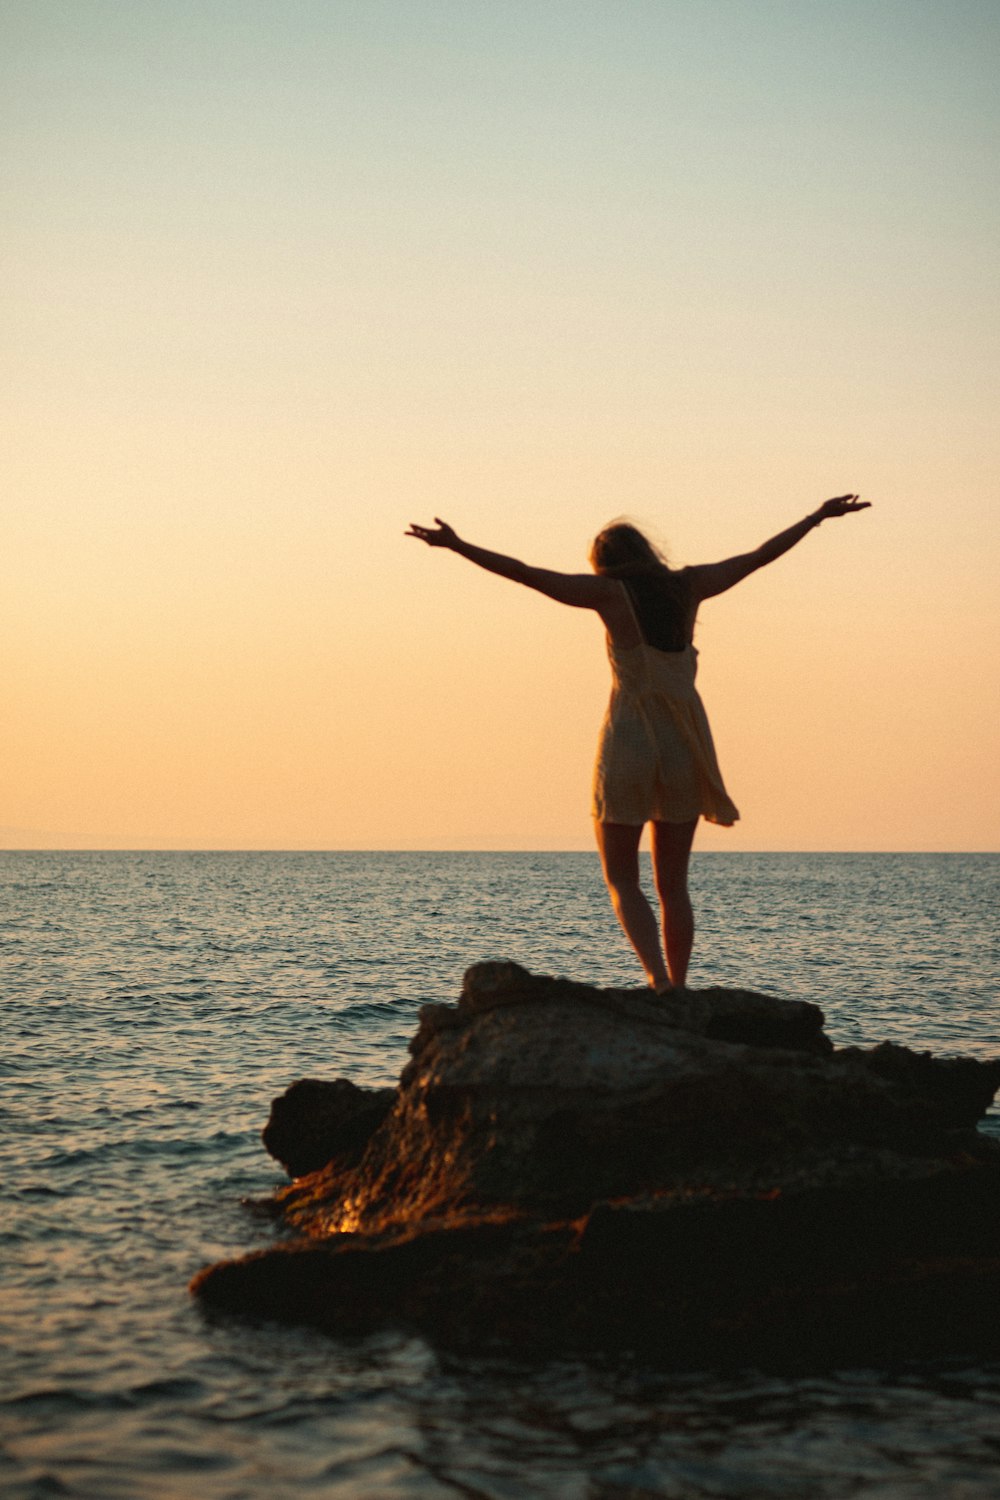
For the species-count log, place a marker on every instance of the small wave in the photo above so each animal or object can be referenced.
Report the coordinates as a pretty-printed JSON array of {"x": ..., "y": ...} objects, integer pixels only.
[
  {"x": 63, "y": 1399},
  {"x": 177, "y": 1389},
  {"x": 391, "y": 1009},
  {"x": 146, "y": 1147}
]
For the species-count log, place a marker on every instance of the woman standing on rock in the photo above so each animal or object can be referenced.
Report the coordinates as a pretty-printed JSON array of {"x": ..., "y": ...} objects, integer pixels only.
[{"x": 655, "y": 760}]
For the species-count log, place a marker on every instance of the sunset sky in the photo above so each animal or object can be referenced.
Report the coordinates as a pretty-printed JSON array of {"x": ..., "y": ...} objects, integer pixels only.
[{"x": 280, "y": 278}]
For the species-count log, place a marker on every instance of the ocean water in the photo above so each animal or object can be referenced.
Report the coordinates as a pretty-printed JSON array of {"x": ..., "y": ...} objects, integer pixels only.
[{"x": 153, "y": 1004}]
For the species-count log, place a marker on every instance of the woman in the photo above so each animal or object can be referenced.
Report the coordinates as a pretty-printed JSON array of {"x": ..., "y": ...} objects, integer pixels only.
[{"x": 655, "y": 762}]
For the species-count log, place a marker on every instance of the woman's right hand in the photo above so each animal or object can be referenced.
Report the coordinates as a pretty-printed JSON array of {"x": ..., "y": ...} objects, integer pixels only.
[
  {"x": 439, "y": 535},
  {"x": 841, "y": 505}
]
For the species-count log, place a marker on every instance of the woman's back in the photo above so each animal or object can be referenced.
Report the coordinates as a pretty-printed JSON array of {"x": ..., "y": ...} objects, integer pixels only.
[{"x": 661, "y": 600}]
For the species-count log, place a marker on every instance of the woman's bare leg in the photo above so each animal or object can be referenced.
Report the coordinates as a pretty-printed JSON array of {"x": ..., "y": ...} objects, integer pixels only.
[
  {"x": 671, "y": 852},
  {"x": 619, "y": 847}
]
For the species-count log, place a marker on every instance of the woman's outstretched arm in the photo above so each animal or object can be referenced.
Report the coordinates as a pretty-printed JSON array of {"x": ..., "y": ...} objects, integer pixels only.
[
  {"x": 715, "y": 578},
  {"x": 582, "y": 590}
]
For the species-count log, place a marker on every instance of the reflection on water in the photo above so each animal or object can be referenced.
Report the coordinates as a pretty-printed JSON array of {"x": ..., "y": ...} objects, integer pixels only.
[
  {"x": 269, "y": 1411},
  {"x": 153, "y": 1006}
]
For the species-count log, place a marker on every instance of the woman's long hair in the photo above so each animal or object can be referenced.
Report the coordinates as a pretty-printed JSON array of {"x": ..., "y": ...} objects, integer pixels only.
[{"x": 622, "y": 551}]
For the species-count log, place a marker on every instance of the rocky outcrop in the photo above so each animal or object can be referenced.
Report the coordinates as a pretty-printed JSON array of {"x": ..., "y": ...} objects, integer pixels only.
[
  {"x": 562, "y": 1165},
  {"x": 315, "y": 1123}
]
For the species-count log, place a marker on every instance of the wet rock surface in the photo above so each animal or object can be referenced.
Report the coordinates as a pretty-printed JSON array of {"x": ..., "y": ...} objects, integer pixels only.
[{"x": 563, "y": 1165}]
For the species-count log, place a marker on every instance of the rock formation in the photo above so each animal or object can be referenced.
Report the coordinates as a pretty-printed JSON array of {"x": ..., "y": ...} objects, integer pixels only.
[
  {"x": 569, "y": 1166},
  {"x": 315, "y": 1123}
]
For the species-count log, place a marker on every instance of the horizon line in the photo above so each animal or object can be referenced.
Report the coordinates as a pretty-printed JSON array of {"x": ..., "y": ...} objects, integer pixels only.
[{"x": 357, "y": 849}]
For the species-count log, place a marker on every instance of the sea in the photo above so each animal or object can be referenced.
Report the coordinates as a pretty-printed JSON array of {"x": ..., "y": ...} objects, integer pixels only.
[{"x": 152, "y": 1006}]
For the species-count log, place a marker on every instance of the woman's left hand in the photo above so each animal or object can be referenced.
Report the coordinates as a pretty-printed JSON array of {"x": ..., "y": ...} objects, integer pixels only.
[{"x": 440, "y": 535}]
